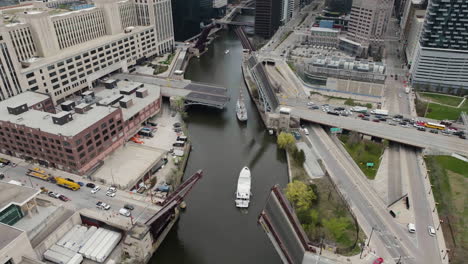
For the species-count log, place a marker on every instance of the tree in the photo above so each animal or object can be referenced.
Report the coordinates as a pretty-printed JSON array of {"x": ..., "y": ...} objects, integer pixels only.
[
  {"x": 299, "y": 157},
  {"x": 336, "y": 226},
  {"x": 178, "y": 103},
  {"x": 300, "y": 195},
  {"x": 286, "y": 141}
]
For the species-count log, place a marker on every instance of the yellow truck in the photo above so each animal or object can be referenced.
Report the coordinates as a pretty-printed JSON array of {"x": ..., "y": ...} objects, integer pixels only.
[
  {"x": 38, "y": 175},
  {"x": 67, "y": 184}
]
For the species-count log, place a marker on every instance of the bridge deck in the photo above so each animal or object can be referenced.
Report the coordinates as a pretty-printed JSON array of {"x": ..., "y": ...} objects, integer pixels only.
[
  {"x": 408, "y": 136},
  {"x": 194, "y": 93}
]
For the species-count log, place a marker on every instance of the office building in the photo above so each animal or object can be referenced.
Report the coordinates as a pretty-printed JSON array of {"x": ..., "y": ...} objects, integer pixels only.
[
  {"x": 80, "y": 135},
  {"x": 441, "y": 61},
  {"x": 63, "y": 53},
  {"x": 267, "y": 17},
  {"x": 288, "y": 9},
  {"x": 412, "y": 35},
  {"x": 368, "y": 22}
]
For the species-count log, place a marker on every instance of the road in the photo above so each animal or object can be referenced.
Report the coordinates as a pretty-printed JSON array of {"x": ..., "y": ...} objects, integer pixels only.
[
  {"x": 404, "y": 158},
  {"x": 82, "y": 198},
  {"x": 399, "y": 134},
  {"x": 389, "y": 237}
]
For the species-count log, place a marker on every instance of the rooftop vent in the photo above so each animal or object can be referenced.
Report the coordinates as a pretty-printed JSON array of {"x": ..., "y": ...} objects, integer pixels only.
[{"x": 17, "y": 110}]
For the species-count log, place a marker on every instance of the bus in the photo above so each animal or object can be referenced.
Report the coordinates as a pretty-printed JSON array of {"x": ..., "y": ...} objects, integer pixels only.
[{"x": 434, "y": 125}]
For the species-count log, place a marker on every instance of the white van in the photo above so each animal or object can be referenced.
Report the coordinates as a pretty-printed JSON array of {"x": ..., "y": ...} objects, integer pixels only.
[
  {"x": 306, "y": 131},
  {"x": 124, "y": 212},
  {"x": 411, "y": 228}
]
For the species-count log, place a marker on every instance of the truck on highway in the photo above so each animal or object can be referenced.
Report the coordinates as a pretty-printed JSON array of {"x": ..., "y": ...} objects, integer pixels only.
[
  {"x": 67, "y": 184},
  {"x": 381, "y": 112},
  {"x": 359, "y": 109}
]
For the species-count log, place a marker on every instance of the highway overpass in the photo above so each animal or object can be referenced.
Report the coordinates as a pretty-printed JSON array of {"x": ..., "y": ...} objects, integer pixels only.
[{"x": 408, "y": 136}]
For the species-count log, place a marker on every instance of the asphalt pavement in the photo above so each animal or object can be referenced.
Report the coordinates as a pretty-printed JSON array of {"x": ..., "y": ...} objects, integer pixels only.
[{"x": 82, "y": 198}]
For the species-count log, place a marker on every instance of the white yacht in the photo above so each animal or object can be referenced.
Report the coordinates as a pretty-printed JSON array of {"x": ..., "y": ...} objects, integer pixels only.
[
  {"x": 241, "y": 111},
  {"x": 243, "y": 189},
  {"x": 226, "y": 51}
]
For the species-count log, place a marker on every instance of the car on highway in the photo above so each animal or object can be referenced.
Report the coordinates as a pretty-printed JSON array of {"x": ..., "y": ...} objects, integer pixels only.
[
  {"x": 434, "y": 131},
  {"x": 80, "y": 184},
  {"x": 102, "y": 206},
  {"x": 112, "y": 189},
  {"x": 314, "y": 107},
  {"x": 421, "y": 129},
  {"x": 431, "y": 230},
  {"x": 110, "y": 194},
  {"x": 462, "y": 136},
  {"x": 64, "y": 198},
  {"x": 361, "y": 115},
  {"x": 310, "y": 103},
  {"x": 90, "y": 185},
  {"x": 95, "y": 189},
  {"x": 129, "y": 207},
  {"x": 376, "y": 120},
  {"x": 378, "y": 261},
  {"x": 365, "y": 118},
  {"x": 392, "y": 123},
  {"x": 411, "y": 228}
]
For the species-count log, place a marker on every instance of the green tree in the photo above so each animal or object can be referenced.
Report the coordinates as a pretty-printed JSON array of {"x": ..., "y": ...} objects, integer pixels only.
[
  {"x": 300, "y": 195},
  {"x": 299, "y": 157},
  {"x": 178, "y": 103},
  {"x": 336, "y": 226},
  {"x": 286, "y": 141}
]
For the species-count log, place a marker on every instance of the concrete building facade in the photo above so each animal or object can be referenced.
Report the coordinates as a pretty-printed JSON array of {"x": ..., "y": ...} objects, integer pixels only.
[
  {"x": 267, "y": 17},
  {"x": 368, "y": 21},
  {"x": 63, "y": 53},
  {"x": 441, "y": 61}
]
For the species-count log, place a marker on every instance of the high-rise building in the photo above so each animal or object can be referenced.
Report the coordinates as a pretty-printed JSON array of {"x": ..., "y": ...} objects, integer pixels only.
[
  {"x": 442, "y": 57},
  {"x": 267, "y": 17},
  {"x": 61, "y": 53},
  {"x": 190, "y": 16},
  {"x": 368, "y": 21}
]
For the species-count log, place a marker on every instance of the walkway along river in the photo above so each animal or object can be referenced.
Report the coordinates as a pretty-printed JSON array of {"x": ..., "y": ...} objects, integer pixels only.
[{"x": 212, "y": 229}]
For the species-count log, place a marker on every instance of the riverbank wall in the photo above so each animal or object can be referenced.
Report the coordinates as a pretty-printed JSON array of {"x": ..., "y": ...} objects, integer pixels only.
[{"x": 252, "y": 88}]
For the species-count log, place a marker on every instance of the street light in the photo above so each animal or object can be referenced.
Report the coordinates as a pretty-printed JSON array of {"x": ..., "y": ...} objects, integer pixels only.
[
  {"x": 368, "y": 242},
  {"x": 440, "y": 223}
]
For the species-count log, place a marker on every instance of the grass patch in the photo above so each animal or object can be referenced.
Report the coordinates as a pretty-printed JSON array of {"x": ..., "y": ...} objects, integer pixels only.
[
  {"x": 439, "y": 112},
  {"x": 159, "y": 69},
  {"x": 351, "y": 102},
  {"x": 449, "y": 177},
  {"x": 169, "y": 59},
  {"x": 328, "y": 216},
  {"x": 363, "y": 152},
  {"x": 442, "y": 98}
]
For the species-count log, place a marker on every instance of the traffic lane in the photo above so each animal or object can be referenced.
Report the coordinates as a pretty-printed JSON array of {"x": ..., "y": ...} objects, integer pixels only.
[
  {"x": 394, "y": 173},
  {"x": 82, "y": 198},
  {"x": 359, "y": 199},
  {"x": 422, "y": 208},
  {"x": 395, "y": 133}
]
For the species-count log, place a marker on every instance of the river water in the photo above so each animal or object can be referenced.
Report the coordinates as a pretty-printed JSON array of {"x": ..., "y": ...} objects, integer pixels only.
[{"x": 212, "y": 229}]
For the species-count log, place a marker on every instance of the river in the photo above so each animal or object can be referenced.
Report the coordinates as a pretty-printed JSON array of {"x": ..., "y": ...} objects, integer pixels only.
[{"x": 212, "y": 229}]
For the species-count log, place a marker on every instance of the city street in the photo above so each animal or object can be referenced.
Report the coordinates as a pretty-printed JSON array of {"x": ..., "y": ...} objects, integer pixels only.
[{"x": 82, "y": 198}]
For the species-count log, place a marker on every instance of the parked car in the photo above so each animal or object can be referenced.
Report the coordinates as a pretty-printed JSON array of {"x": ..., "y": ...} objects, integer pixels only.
[
  {"x": 110, "y": 194},
  {"x": 81, "y": 184},
  {"x": 90, "y": 185},
  {"x": 152, "y": 123},
  {"x": 54, "y": 195},
  {"x": 64, "y": 198},
  {"x": 95, "y": 189},
  {"x": 102, "y": 206},
  {"x": 378, "y": 261},
  {"x": 125, "y": 212},
  {"x": 129, "y": 207},
  {"x": 431, "y": 230}
]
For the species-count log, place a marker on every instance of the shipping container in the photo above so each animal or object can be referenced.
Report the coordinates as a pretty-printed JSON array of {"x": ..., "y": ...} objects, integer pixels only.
[
  {"x": 77, "y": 259},
  {"x": 62, "y": 250},
  {"x": 107, "y": 250},
  {"x": 90, "y": 241},
  {"x": 100, "y": 246},
  {"x": 67, "y": 236},
  {"x": 56, "y": 257}
]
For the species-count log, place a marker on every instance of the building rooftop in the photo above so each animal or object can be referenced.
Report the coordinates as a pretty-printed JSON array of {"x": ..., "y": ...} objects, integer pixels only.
[
  {"x": 27, "y": 97},
  {"x": 43, "y": 120},
  {"x": 9, "y": 234},
  {"x": 15, "y": 194},
  {"x": 109, "y": 95}
]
